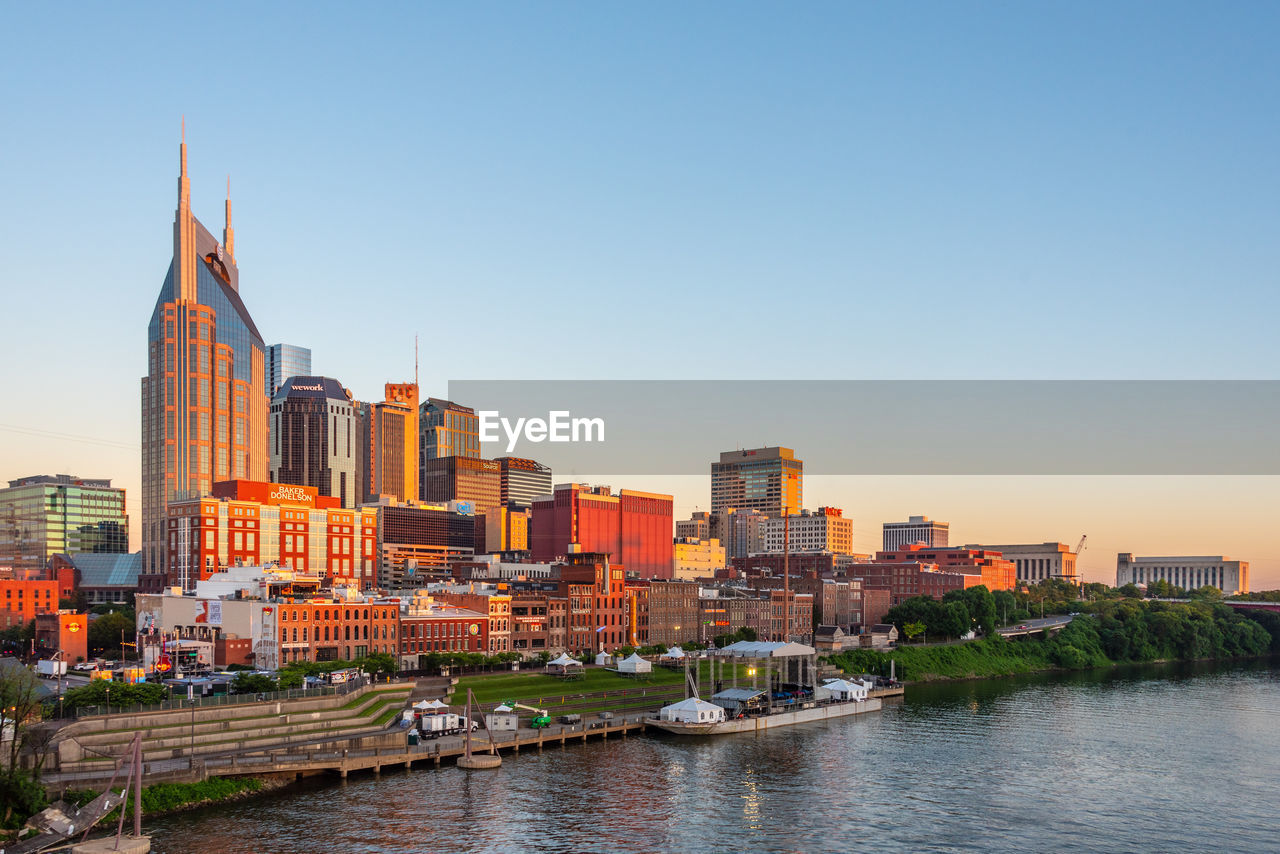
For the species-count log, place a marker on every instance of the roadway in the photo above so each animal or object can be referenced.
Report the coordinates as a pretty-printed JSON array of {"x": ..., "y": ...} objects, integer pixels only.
[{"x": 1041, "y": 624}]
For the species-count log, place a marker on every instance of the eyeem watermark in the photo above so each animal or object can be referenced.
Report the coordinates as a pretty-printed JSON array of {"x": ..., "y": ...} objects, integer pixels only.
[{"x": 558, "y": 426}]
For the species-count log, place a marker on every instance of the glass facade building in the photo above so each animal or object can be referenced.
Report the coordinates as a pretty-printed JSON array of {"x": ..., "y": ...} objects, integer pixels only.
[
  {"x": 284, "y": 361},
  {"x": 50, "y": 514},
  {"x": 315, "y": 438},
  {"x": 204, "y": 402},
  {"x": 764, "y": 479},
  {"x": 448, "y": 430}
]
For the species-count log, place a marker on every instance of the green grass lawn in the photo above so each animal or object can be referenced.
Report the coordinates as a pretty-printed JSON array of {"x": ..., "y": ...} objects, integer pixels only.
[{"x": 546, "y": 691}]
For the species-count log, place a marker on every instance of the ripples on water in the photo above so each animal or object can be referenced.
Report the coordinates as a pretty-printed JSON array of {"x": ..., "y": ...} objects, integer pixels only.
[{"x": 1178, "y": 759}]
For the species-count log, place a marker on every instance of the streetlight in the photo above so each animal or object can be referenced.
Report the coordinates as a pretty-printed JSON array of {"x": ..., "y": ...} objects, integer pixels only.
[{"x": 108, "y": 698}]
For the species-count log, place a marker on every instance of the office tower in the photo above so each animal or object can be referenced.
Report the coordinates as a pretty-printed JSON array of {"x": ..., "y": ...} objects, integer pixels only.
[
  {"x": 633, "y": 528},
  {"x": 475, "y": 481},
  {"x": 523, "y": 481},
  {"x": 389, "y": 444},
  {"x": 284, "y": 361},
  {"x": 448, "y": 430},
  {"x": 204, "y": 400},
  {"x": 764, "y": 479},
  {"x": 917, "y": 529},
  {"x": 45, "y": 515},
  {"x": 315, "y": 438}
]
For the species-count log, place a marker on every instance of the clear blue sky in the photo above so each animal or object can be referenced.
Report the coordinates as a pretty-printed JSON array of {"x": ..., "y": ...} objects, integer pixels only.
[{"x": 581, "y": 190}]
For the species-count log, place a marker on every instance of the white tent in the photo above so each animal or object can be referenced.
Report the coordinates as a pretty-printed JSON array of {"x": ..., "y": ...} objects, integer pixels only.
[
  {"x": 674, "y": 653},
  {"x": 436, "y": 704},
  {"x": 564, "y": 661},
  {"x": 692, "y": 710},
  {"x": 604, "y": 658},
  {"x": 763, "y": 649},
  {"x": 502, "y": 709},
  {"x": 634, "y": 664},
  {"x": 842, "y": 689},
  {"x": 423, "y": 705}
]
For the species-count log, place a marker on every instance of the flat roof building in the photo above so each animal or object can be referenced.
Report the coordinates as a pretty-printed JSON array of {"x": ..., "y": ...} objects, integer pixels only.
[
  {"x": 1190, "y": 573},
  {"x": 315, "y": 438},
  {"x": 917, "y": 529},
  {"x": 765, "y": 479},
  {"x": 44, "y": 515}
]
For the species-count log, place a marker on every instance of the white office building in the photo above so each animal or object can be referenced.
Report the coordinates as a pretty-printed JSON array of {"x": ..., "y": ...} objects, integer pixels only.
[
  {"x": 1229, "y": 576},
  {"x": 917, "y": 529}
]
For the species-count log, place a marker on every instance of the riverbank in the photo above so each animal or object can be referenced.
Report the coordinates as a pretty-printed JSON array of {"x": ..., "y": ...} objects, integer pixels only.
[
  {"x": 165, "y": 798},
  {"x": 1126, "y": 634}
]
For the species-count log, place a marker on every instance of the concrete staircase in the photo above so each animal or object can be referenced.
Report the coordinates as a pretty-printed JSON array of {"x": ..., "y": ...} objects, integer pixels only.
[{"x": 94, "y": 743}]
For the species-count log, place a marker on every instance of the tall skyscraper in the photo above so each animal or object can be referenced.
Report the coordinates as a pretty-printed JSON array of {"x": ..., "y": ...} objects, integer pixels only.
[
  {"x": 764, "y": 479},
  {"x": 917, "y": 529},
  {"x": 284, "y": 361},
  {"x": 204, "y": 400},
  {"x": 389, "y": 444},
  {"x": 448, "y": 430},
  {"x": 50, "y": 514},
  {"x": 315, "y": 438}
]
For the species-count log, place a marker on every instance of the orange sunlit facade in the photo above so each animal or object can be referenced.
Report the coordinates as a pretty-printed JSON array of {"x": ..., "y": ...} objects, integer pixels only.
[
  {"x": 21, "y": 599},
  {"x": 204, "y": 404},
  {"x": 254, "y": 523}
]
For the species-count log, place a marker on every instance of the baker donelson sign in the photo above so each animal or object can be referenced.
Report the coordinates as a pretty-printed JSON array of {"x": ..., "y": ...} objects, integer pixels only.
[{"x": 296, "y": 494}]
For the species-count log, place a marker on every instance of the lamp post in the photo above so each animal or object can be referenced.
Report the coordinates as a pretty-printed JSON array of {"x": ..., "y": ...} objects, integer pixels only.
[{"x": 108, "y": 698}]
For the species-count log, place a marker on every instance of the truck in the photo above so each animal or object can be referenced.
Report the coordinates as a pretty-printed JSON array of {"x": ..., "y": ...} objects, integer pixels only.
[
  {"x": 50, "y": 668},
  {"x": 434, "y": 726}
]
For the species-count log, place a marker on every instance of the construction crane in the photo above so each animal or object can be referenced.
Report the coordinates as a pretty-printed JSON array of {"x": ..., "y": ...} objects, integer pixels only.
[
  {"x": 540, "y": 716},
  {"x": 1080, "y": 547}
]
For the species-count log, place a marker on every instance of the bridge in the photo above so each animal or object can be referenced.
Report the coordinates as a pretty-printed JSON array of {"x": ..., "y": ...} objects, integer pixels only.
[
  {"x": 1044, "y": 625},
  {"x": 1238, "y": 604}
]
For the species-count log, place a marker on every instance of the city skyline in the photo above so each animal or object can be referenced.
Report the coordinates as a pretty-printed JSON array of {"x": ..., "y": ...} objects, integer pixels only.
[{"x": 1123, "y": 250}]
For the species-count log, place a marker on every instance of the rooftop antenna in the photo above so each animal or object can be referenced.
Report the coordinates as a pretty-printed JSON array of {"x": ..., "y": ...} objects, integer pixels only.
[{"x": 415, "y": 359}]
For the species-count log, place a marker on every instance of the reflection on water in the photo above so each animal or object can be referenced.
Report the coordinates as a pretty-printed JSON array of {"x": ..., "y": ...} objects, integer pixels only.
[{"x": 1180, "y": 757}]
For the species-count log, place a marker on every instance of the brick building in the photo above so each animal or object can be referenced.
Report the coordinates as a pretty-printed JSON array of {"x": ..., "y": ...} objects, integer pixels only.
[
  {"x": 252, "y": 523},
  {"x": 632, "y": 528}
]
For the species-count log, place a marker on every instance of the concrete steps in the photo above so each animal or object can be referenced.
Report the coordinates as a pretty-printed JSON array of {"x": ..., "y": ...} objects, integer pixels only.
[{"x": 236, "y": 728}]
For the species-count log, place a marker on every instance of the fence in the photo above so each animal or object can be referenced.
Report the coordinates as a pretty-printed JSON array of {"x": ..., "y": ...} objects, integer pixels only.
[{"x": 225, "y": 700}]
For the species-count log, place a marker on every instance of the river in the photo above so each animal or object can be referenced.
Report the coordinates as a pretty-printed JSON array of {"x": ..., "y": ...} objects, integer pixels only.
[{"x": 1155, "y": 758}]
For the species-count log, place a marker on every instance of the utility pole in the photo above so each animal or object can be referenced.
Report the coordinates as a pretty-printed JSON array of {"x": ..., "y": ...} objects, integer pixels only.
[{"x": 786, "y": 574}]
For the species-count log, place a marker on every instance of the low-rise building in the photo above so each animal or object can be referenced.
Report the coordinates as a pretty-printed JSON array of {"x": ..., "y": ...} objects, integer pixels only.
[
  {"x": 694, "y": 558},
  {"x": 1229, "y": 576},
  {"x": 429, "y": 626},
  {"x": 1038, "y": 562}
]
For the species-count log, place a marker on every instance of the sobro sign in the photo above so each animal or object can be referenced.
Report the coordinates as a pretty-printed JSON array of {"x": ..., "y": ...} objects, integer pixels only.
[
  {"x": 293, "y": 495},
  {"x": 558, "y": 426}
]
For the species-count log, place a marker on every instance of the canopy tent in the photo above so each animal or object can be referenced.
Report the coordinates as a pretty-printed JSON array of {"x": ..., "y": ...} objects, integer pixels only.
[
  {"x": 842, "y": 689},
  {"x": 502, "y": 709},
  {"x": 564, "y": 661},
  {"x": 674, "y": 653},
  {"x": 692, "y": 710},
  {"x": 436, "y": 704},
  {"x": 604, "y": 658},
  {"x": 762, "y": 649},
  {"x": 422, "y": 705},
  {"x": 635, "y": 664}
]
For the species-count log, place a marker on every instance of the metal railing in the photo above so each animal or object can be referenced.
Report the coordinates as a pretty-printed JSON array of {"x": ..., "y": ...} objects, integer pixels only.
[{"x": 227, "y": 699}]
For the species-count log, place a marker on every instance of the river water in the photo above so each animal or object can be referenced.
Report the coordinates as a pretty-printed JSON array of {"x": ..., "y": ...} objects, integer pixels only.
[{"x": 1172, "y": 758}]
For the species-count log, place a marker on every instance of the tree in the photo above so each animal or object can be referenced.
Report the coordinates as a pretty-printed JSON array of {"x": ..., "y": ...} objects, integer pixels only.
[
  {"x": 910, "y": 630},
  {"x": 107, "y": 631},
  {"x": 248, "y": 682},
  {"x": 290, "y": 679},
  {"x": 20, "y": 710},
  {"x": 379, "y": 662}
]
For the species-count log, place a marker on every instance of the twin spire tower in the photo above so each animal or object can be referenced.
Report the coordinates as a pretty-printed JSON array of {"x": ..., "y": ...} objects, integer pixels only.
[{"x": 204, "y": 399}]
